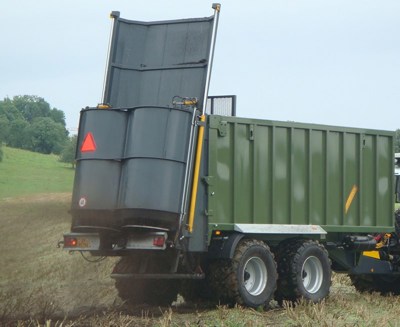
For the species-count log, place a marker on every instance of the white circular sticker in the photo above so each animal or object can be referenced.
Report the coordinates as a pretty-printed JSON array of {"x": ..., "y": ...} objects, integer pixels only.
[{"x": 82, "y": 202}]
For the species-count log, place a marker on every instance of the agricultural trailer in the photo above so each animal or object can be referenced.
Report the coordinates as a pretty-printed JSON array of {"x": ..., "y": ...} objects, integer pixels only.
[{"x": 197, "y": 201}]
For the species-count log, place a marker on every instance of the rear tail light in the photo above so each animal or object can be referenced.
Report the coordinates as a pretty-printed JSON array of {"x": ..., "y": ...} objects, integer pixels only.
[
  {"x": 159, "y": 241},
  {"x": 70, "y": 242}
]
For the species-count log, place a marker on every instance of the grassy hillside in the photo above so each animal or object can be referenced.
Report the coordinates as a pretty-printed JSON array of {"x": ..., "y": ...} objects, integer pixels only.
[{"x": 23, "y": 173}]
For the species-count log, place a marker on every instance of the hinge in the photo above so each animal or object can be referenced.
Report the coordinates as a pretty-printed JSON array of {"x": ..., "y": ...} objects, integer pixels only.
[
  {"x": 251, "y": 132},
  {"x": 222, "y": 128},
  {"x": 208, "y": 180}
]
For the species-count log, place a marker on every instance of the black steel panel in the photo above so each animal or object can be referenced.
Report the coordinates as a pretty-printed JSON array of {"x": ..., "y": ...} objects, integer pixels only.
[
  {"x": 108, "y": 130},
  {"x": 155, "y": 159},
  {"x": 96, "y": 185},
  {"x": 152, "y": 184},
  {"x": 159, "y": 133},
  {"x": 139, "y": 161},
  {"x": 151, "y": 62}
]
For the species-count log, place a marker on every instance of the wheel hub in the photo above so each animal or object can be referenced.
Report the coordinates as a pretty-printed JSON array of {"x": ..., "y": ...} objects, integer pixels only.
[
  {"x": 312, "y": 274},
  {"x": 255, "y": 276}
]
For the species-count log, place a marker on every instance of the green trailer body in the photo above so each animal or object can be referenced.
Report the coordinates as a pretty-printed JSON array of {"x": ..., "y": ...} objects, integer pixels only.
[
  {"x": 270, "y": 172},
  {"x": 218, "y": 207}
]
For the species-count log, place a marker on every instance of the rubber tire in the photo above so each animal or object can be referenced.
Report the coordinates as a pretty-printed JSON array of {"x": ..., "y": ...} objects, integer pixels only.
[
  {"x": 376, "y": 283},
  {"x": 227, "y": 277},
  {"x": 291, "y": 259},
  {"x": 143, "y": 291}
]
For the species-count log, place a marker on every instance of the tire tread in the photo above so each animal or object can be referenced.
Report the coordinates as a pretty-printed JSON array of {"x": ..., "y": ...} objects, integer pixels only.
[{"x": 288, "y": 257}]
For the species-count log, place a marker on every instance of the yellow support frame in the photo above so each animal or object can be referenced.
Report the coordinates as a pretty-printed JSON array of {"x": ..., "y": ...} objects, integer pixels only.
[{"x": 196, "y": 174}]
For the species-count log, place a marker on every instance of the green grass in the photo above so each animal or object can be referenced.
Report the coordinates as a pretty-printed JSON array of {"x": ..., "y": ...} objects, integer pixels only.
[{"x": 24, "y": 173}]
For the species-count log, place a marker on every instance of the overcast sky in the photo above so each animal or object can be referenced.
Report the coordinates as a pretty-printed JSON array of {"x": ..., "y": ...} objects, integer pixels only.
[{"x": 327, "y": 62}]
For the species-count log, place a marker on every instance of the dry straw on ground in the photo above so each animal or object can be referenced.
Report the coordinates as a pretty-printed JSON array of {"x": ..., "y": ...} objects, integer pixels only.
[{"x": 40, "y": 285}]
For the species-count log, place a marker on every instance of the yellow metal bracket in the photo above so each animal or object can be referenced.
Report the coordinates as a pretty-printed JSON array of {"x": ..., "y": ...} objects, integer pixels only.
[
  {"x": 103, "y": 106},
  {"x": 196, "y": 174},
  {"x": 385, "y": 240}
]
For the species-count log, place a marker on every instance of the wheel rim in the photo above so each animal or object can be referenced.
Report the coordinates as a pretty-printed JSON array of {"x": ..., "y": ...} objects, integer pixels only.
[
  {"x": 312, "y": 274},
  {"x": 255, "y": 276}
]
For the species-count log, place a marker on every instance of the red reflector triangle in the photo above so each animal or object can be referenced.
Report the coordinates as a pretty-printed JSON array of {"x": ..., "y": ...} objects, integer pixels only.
[{"x": 88, "y": 145}]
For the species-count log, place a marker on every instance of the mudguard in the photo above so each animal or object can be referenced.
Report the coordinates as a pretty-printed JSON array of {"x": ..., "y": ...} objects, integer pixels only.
[{"x": 224, "y": 247}]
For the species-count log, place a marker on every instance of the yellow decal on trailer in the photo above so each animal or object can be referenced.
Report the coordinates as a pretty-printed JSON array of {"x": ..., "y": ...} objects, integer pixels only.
[
  {"x": 350, "y": 198},
  {"x": 372, "y": 254}
]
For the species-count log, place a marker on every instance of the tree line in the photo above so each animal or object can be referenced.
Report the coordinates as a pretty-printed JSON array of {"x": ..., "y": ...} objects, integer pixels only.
[{"x": 28, "y": 122}]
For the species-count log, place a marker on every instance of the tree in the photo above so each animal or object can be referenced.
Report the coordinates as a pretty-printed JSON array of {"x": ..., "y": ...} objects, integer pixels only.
[
  {"x": 69, "y": 150},
  {"x": 8, "y": 109},
  {"x": 46, "y": 136},
  {"x": 31, "y": 107},
  {"x": 58, "y": 116},
  {"x": 17, "y": 137},
  {"x": 397, "y": 141},
  {"x": 28, "y": 122},
  {"x": 4, "y": 127}
]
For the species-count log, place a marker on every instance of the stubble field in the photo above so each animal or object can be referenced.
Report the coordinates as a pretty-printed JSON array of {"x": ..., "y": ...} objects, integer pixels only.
[{"x": 42, "y": 285}]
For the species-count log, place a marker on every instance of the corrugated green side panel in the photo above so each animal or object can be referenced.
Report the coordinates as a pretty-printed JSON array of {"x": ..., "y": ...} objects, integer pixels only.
[{"x": 269, "y": 172}]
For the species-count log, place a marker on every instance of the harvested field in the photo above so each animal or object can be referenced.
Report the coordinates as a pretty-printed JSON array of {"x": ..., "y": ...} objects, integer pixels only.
[{"x": 42, "y": 285}]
